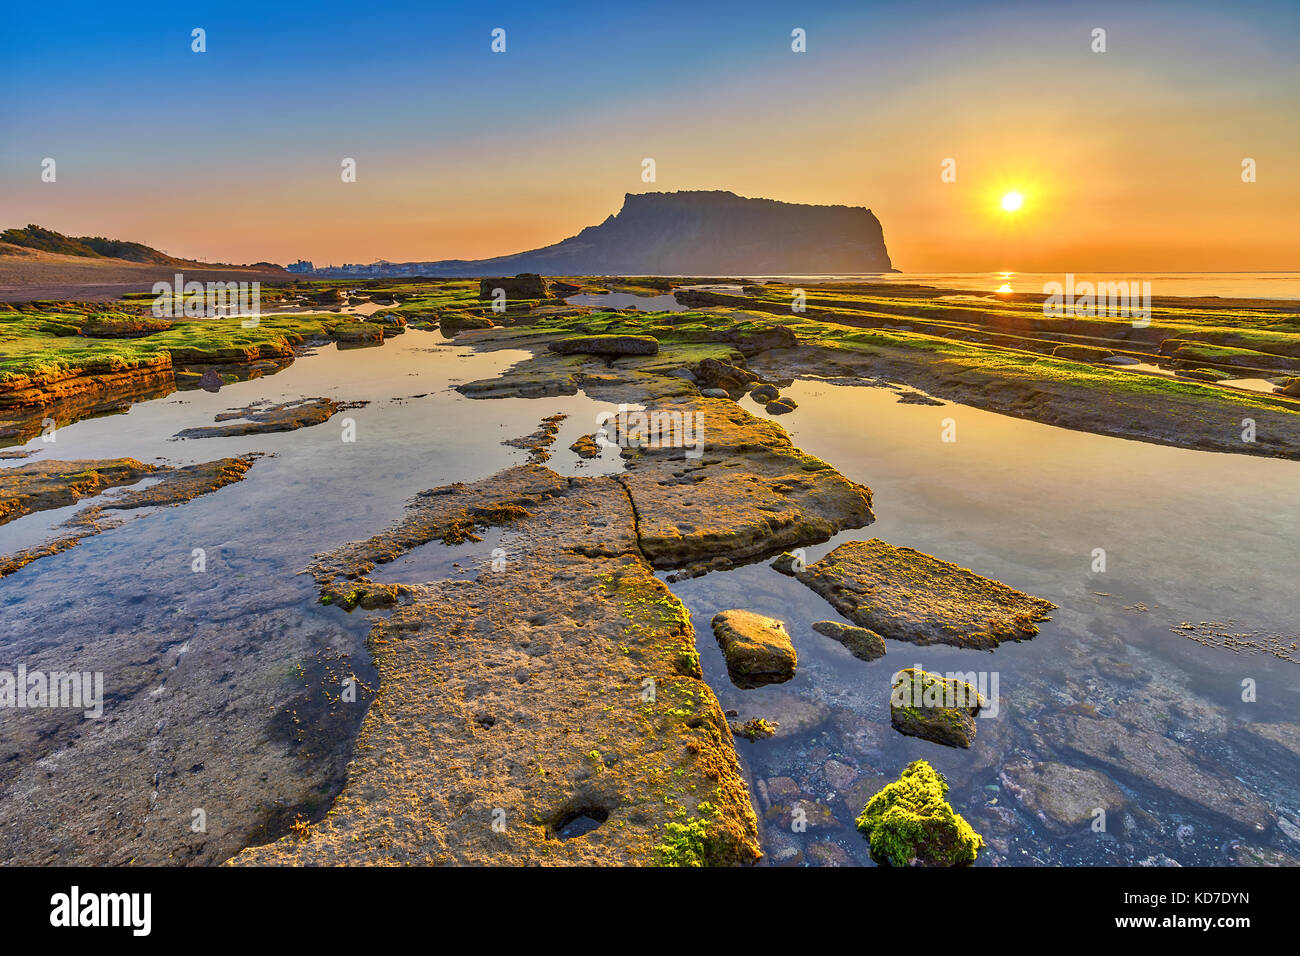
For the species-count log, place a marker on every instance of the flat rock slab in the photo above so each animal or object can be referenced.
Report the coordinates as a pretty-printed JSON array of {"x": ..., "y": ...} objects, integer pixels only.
[
  {"x": 172, "y": 486},
  {"x": 934, "y": 708},
  {"x": 260, "y": 419},
  {"x": 861, "y": 642},
  {"x": 550, "y": 711},
  {"x": 40, "y": 486},
  {"x": 757, "y": 648},
  {"x": 908, "y": 595}
]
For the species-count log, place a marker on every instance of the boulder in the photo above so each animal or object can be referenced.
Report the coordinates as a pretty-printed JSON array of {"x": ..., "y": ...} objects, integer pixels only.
[
  {"x": 934, "y": 708},
  {"x": 526, "y": 285},
  {"x": 909, "y": 823},
  {"x": 757, "y": 648},
  {"x": 453, "y": 323},
  {"x": 764, "y": 393},
  {"x": 713, "y": 373},
  {"x": 210, "y": 381},
  {"x": 759, "y": 337},
  {"x": 781, "y": 406}
]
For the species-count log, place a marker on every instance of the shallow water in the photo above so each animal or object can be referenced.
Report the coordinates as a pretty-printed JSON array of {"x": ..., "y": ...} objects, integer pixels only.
[
  {"x": 1256, "y": 285},
  {"x": 224, "y": 684},
  {"x": 1188, "y": 536}
]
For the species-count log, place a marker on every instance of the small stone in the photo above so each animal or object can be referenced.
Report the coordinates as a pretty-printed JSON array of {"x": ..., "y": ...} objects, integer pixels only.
[
  {"x": 839, "y": 775},
  {"x": 863, "y": 643},
  {"x": 757, "y": 648},
  {"x": 787, "y": 563}
]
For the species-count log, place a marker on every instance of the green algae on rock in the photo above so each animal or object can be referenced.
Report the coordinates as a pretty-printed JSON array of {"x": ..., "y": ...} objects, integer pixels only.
[
  {"x": 934, "y": 708},
  {"x": 42, "y": 485},
  {"x": 757, "y": 648},
  {"x": 560, "y": 685},
  {"x": 907, "y": 595},
  {"x": 606, "y": 345},
  {"x": 909, "y": 823}
]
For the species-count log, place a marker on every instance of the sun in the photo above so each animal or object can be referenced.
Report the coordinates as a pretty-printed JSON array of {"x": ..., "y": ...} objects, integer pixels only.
[{"x": 1012, "y": 201}]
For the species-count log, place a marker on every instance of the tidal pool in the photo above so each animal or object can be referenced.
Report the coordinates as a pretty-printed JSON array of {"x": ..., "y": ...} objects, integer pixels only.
[
  {"x": 233, "y": 697},
  {"x": 1186, "y": 536},
  {"x": 227, "y": 710}
]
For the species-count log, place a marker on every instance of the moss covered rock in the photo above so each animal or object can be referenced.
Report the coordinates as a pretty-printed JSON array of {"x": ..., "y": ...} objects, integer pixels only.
[
  {"x": 934, "y": 708},
  {"x": 757, "y": 648},
  {"x": 910, "y": 823},
  {"x": 606, "y": 345}
]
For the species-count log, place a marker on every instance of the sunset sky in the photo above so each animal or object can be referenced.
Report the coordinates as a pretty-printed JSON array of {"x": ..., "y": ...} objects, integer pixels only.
[{"x": 1128, "y": 160}]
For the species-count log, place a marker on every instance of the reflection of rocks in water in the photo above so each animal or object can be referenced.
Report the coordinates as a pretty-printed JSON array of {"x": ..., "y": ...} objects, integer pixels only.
[
  {"x": 1225, "y": 634},
  {"x": 793, "y": 715}
]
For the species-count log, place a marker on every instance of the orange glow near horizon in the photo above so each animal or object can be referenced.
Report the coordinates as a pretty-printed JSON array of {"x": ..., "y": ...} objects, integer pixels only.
[{"x": 1054, "y": 185}]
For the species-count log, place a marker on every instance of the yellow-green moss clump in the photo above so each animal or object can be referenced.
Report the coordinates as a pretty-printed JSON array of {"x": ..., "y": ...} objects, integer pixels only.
[{"x": 909, "y": 822}]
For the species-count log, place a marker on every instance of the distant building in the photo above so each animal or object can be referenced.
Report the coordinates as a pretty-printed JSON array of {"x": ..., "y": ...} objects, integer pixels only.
[{"x": 301, "y": 266}]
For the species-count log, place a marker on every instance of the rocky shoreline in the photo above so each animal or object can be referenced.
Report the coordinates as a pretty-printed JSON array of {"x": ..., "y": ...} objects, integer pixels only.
[{"x": 551, "y": 709}]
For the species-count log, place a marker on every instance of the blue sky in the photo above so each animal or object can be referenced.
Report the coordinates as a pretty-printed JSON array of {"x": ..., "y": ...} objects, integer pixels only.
[{"x": 464, "y": 152}]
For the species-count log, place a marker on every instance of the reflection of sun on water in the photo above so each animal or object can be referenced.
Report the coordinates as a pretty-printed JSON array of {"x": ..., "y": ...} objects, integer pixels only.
[{"x": 1005, "y": 288}]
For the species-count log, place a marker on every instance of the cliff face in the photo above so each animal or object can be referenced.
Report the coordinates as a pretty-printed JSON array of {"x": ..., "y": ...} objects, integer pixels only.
[{"x": 697, "y": 233}]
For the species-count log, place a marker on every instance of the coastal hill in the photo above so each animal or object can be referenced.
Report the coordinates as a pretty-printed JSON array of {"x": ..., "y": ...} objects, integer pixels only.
[
  {"x": 39, "y": 263},
  {"x": 687, "y": 233}
]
